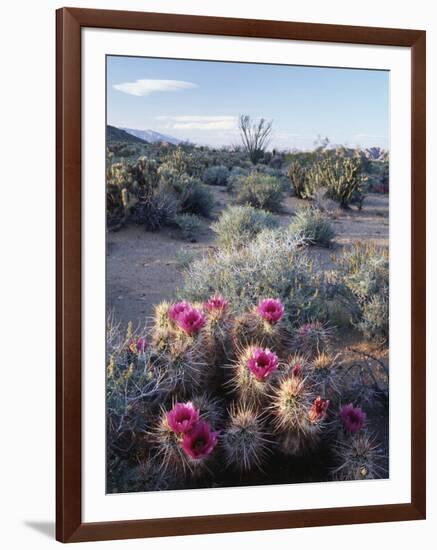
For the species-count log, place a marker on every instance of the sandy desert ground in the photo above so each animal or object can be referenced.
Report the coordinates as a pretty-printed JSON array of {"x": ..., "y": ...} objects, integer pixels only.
[{"x": 144, "y": 268}]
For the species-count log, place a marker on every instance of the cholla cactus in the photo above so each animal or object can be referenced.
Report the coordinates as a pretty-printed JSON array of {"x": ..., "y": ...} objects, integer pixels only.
[
  {"x": 312, "y": 338},
  {"x": 254, "y": 374},
  {"x": 358, "y": 457},
  {"x": 245, "y": 442},
  {"x": 342, "y": 176},
  {"x": 300, "y": 180}
]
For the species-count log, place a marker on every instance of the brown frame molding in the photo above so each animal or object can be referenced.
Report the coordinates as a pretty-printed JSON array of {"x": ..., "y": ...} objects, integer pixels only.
[{"x": 69, "y": 526}]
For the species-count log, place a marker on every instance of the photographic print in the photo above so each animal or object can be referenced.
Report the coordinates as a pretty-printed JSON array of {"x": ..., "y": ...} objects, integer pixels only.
[{"x": 247, "y": 274}]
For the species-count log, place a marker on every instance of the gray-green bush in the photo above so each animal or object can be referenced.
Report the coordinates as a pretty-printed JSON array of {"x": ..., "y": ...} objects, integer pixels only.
[
  {"x": 273, "y": 264},
  {"x": 312, "y": 226},
  {"x": 364, "y": 269},
  {"x": 260, "y": 191},
  {"x": 239, "y": 224},
  {"x": 236, "y": 173},
  {"x": 216, "y": 175},
  {"x": 189, "y": 225},
  {"x": 193, "y": 196}
]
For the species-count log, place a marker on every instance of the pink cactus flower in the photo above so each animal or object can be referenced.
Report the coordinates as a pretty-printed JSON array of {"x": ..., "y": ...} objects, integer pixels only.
[
  {"x": 353, "y": 418},
  {"x": 308, "y": 328},
  {"x": 297, "y": 369},
  {"x": 191, "y": 320},
  {"x": 216, "y": 303},
  {"x": 141, "y": 345},
  {"x": 183, "y": 417},
  {"x": 305, "y": 329},
  {"x": 137, "y": 346},
  {"x": 271, "y": 310},
  {"x": 318, "y": 409},
  {"x": 262, "y": 363},
  {"x": 176, "y": 309},
  {"x": 200, "y": 441}
]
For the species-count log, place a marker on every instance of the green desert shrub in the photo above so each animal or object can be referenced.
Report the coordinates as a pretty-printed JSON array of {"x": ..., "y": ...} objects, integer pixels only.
[
  {"x": 236, "y": 173},
  {"x": 239, "y": 224},
  {"x": 375, "y": 319},
  {"x": 216, "y": 175},
  {"x": 313, "y": 227},
  {"x": 273, "y": 264},
  {"x": 277, "y": 160},
  {"x": 184, "y": 257},
  {"x": 277, "y": 173},
  {"x": 189, "y": 225},
  {"x": 154, "y": 211},
  {"x": 364, "y": 269},
  {"x": 192, "y": 195},
  {"x": 260, "y": 191}
]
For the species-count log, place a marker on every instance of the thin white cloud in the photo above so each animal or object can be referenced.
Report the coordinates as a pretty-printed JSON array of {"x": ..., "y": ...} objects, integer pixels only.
[
  {"x": 200, "y": 122},
  {"x": 149, "y": 86}
]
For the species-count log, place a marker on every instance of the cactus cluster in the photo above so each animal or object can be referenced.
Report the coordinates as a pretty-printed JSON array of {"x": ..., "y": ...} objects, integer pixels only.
[
  {"x": 202, "y": 394},
  {"x": 151, "y": 192}
]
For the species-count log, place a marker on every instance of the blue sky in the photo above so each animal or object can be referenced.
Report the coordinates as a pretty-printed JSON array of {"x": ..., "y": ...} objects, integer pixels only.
[{"x": 201, "y": 101}]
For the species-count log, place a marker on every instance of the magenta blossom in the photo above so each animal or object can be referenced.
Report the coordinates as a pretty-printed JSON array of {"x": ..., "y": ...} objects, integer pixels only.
[
  {"x": 271, "y": 310},
  {"x": 304, "y": 330},
  {"x": 182, "y": 417},
  {"x": 200, "y": 441},
  {"x": 262, "y": 363},
  {"x": 176, "y": 309},
  {"x": 191, "y": 320},
  {"x": 318, "y": 409},
  {"x": 353, "y": 418},
  {"x": 297, "y": 369},
  {"x": 308, "y": 328},
  {"x": 139, "y": 345},
  {"x": 216, "y": 303}
]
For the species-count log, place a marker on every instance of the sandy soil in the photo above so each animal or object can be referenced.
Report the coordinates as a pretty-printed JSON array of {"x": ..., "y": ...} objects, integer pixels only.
[{"x": 144, "y": 268}]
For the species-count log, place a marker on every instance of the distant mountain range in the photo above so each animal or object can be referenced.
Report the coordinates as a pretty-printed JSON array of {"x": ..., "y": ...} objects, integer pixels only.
[
  {"x": 151, "y": 136},
  {"x": 115, "y": 135}
]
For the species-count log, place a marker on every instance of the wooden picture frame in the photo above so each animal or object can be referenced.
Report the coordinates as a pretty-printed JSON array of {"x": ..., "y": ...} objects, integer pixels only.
[{"x": 69, "y": 524}]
